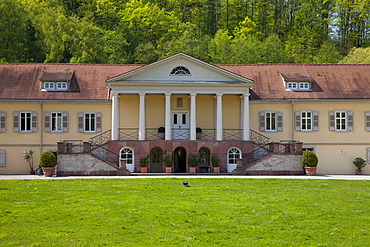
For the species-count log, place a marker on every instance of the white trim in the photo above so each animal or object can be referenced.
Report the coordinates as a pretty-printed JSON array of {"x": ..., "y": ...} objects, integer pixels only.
[
  {"x": 115, "y": 116},
  {"x": 142, "y": 116},
  {"x": 219, "y": 117},
  {"x": 193, "y": 114},
  {"x": 168, "y": 116}
]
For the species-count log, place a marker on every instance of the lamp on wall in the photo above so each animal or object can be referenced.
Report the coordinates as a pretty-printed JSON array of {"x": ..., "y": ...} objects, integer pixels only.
[
  {"x": 24, "y": 152},
  {"x": 343, "y": 152}
]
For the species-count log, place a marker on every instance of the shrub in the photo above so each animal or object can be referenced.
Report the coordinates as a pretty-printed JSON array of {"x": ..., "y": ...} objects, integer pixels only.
[
  {"x": 167, "y": 159},
  {"x": 144, "y": 161},
  {"x": 359, "y": 163},
  {"x": 309, "y": 159},
  {"x": 193, "y": 160},
  {"x": 161, "y": 130},
  {"x": 215, "y": 160},
  {"x": 48, "y": 159},
  {"x": 198, "y": 130}
]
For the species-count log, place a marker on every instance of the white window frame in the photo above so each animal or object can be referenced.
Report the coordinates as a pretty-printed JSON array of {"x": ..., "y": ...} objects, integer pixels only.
[
  {"x": 305, "y": 121},
  {"x": 311, "y": 148},
  {"x": 341, "y": 120},
  {"x": 298, "y": 86},
  {"x": 304, "y": 86},
  {"x": 55, "y": 86},
  {"x": 89, "y": 122},
  {"x": 56, "y": 121},
  {"x": 271, "y": 121},
  {"x": 233, "y": 154},
  {"x": 181, "y": 71},
  {"x": 127, "y": 154},
  {"x": 292, "y": 85},
  {"x": 27, "y": 125}
]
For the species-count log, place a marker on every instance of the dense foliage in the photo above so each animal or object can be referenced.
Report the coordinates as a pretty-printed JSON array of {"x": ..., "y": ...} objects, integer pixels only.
[
  {"x": 216, "y": 31},
  {"x": 309, "y": 159},
  {"x": 48, "y": 159}
]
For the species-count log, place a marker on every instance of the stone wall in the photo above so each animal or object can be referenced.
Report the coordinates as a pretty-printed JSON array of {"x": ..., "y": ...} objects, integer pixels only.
[
  {"x": 277, "y": 164},
  {"x": 83, "y": 165}
]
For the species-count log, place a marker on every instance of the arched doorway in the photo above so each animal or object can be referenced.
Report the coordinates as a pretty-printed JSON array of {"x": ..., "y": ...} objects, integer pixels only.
[
  {"x": 204, "y": 158},
  {"x": 180, "y": 159},
  {"x": 156, "y": 160}
]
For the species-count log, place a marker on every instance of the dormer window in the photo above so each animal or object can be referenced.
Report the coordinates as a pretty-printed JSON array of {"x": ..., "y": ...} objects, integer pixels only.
[
  {"x": 296, "y": 82},
  {"x": 56, "y": 81},
  {"x": 180, "y": 70}
]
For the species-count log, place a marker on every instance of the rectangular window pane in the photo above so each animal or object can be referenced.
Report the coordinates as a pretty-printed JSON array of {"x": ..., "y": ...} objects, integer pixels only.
[
  {"x": 183, "y": 118},
  {"x": 174, "y": 118}
]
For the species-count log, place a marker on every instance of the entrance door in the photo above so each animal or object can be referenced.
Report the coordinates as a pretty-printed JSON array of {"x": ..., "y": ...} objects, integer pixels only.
[
  {"x": 180, "y": 126},
  {"x": 156, "y": 160},
  {"x": 180, "y": 159}
]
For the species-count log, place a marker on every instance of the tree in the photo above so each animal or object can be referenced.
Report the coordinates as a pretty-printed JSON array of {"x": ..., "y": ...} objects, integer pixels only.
[
  {"x": 328, "y": 53},
  {"x": 357, "y": 56}
]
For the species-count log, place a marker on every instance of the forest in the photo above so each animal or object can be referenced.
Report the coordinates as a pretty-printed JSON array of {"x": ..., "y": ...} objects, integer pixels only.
[{"x": 215, "y": 31}]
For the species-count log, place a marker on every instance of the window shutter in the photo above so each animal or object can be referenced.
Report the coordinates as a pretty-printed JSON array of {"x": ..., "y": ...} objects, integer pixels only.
[
  {"x": 65, "y": 121},
  {"x": 16, "y": 121},
  {"x": 368, "y": 155},
  {"x": 367, "y": 120},
  {"x": 279, "y": 120},
  {"x": 80, "y": 122},
  {"x": 262, "y": 121},
  {"x": 350, "y": 120},
  {"x": 98, "y": 122},
  {"x": 298, "y": 121},
  {"x": 34, "y": 121},
  {"x": 2, "y": 157},
  {"x": 2, "y": 121},
  {"x": 315, "y": 115},
  {"x": 331, "y": 120},
  {"x": 47, "y": 121}
]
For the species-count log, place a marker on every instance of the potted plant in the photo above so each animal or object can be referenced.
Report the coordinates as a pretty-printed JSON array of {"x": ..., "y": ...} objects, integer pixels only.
[
  {"x": 161, "y": 131},
  {"x": 309, "y": 162},
  {"x": 359, "y": 163},
  {"x": 192, "y": 162},
  {"x": 28, "y": 156},
  {"x": 215, "y": 160},
  {"x": 168, "y": 161},
  {"x": 48, "y": 161},
  {"x": 198, "y": 132},
  {"x": 144, "y": 161}
]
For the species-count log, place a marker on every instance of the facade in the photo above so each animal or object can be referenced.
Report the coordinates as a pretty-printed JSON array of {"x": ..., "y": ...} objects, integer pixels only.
[{"x": 121, "y": 108}]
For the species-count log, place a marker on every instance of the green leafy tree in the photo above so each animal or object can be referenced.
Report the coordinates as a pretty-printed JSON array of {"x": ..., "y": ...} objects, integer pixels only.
[{"x": 357, "y": 56}]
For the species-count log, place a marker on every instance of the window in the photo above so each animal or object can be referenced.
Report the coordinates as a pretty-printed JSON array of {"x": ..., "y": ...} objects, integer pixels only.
[
  {"x": 233, "y": 155},
  {"x": 298, "y": 86},
  {"x": 56, "y": 121},
  {"x": 2, "y": 121},
  {"x": 341, "y": 121},
  {"x": 128, "y": 155},
  {"x": 25, "y": 121},
  {"x": 271, "y": 121},
  {"x": 306, "y": 120},
  {"x": 89, "y": 122},
  {"x": 180, "y": 70},
  {"x": 55, "y": 86},
  {"x": 309, "y": 148}
]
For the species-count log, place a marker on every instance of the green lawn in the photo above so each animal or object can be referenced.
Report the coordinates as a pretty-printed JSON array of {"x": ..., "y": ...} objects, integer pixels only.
[{"x": 162, "y": 212}]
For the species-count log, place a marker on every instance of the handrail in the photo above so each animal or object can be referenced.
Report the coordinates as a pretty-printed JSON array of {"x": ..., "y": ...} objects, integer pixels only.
[
  {"x": 102, "y": 138},
  {"x": 258, "y": 137},
  {"x": 105, "y": 154}
]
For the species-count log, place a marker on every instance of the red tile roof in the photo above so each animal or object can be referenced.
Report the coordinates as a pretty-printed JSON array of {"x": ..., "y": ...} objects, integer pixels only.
[
  {"x": 330, "y": 81},
  {"x": 338, "y": 81},
  {"x": 22, "y": 81}
]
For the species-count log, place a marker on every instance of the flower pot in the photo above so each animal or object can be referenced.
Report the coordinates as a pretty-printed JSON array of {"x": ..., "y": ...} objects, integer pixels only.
[
  {"x": 168, "y": 169},
  {"x": 32, "y": 172},
  {"x": 48, "y": 171},
  {"x": 144, "y": 169},
  {"x": 193, "y": 169},
  {"x": 199, "y": 135},
  {"x": 216, "y": 169},
  {"x": 161, "y": 136},
  {"x": 310, "y": 171},
  {"x": 358, "y": 171}
]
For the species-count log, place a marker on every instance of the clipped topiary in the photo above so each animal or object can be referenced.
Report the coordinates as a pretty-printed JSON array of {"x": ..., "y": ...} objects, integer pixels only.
[
  {"x": 48, "y": 159},
  {"x": 359, "y": 163},
  {"x": 309, "y": 159}
]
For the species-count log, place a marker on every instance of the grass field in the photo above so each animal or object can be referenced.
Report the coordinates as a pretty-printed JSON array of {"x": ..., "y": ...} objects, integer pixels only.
[{"x": 162, "y": 212}]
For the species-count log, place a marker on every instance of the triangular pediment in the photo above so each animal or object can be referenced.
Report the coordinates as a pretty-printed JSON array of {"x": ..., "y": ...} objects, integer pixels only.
[{"x": 180, "y": 68}]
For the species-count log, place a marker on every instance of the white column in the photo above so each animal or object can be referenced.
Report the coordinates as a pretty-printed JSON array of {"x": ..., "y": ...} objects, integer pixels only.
[
  {"x": 245, "y": 115},
  {"x": 168, "y": 117},
  {"x": 142, "y": 117},
  {"x": 193, "y": 116},
  {"x": 115, "y": 116},
  {"x": 219, "y": 116}
]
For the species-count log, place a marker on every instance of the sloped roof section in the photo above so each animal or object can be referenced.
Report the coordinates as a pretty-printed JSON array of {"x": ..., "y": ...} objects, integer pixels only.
[
  {"x": 22, "y": 81},
  {"x": 330, "y": 81}
]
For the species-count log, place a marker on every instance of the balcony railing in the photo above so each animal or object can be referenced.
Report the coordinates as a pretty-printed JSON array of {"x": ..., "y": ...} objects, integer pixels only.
[{"x": 128, "y": 134}]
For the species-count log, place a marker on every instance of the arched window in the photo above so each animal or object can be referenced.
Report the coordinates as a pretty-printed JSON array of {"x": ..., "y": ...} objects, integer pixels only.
[
  {"x": 180, "y": 70},
  {"x": 233, "y": 155},
  {"x": 127, "y": 154}
]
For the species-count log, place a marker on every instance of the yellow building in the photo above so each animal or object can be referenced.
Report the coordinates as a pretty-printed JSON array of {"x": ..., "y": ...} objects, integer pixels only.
[{"x": 183, "y": 106}]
